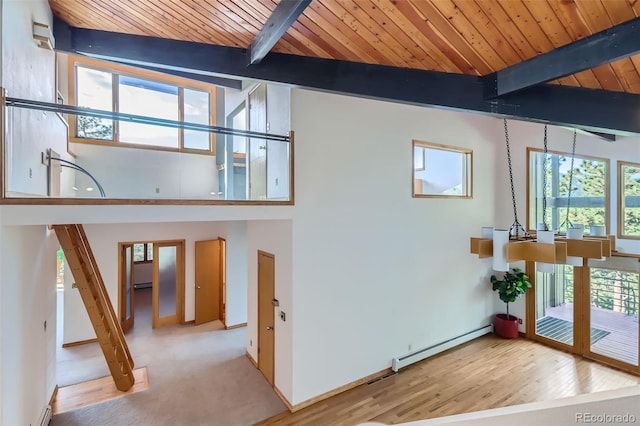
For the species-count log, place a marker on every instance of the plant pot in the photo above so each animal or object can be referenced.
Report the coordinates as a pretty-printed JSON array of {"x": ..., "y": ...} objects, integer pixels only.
[{"x": 506, "y": 327}]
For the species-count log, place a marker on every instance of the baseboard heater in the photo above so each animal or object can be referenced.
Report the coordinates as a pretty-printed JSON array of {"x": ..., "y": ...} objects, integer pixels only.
[
  {"x": 45, "y": 416},
  {"x": 398, "y": 363}
]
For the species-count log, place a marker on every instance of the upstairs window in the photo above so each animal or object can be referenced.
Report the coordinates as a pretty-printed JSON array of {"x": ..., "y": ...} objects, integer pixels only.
[
  {"x": 110, "y": 87},
  {"x": 629, "y": 200},
  {"x": 588, "y": 202}
]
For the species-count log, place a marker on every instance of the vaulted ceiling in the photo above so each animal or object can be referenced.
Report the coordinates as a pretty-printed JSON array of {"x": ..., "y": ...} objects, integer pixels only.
[{"x": 396, "y": 38}]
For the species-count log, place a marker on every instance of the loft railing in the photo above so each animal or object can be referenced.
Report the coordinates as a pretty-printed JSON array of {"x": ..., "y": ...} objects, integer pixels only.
[{"x": 41, "y": 165}]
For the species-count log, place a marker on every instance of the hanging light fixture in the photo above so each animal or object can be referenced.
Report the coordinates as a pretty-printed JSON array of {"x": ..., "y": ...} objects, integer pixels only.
[{"x": 544, "y": 248}]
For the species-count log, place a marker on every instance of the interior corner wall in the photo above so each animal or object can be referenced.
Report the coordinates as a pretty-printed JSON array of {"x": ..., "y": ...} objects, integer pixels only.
[
  {"x": 275, "y": 237},
  {"x": 28, "y": 321},
  {"x": 378, "y": 273}
]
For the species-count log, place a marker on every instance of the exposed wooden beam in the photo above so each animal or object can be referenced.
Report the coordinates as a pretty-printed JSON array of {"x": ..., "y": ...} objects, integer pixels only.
[
  {"x": 607, "y": 46},
  {"x": 285, "y": 14},
  {"x": 593, "y": 110}
]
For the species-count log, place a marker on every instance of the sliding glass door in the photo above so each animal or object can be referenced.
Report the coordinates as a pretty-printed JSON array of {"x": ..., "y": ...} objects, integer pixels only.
[{"x": 590, "y": 310}]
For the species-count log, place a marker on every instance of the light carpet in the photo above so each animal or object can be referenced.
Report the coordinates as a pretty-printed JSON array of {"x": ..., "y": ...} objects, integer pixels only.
[{"x": 198, "y": 375}]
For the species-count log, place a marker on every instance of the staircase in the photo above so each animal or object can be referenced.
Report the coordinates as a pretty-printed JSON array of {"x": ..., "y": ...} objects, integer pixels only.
[{"x": 85, "y": 271}]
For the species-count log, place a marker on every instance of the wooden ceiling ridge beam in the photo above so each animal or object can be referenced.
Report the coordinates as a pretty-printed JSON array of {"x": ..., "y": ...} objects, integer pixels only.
[
  {"x": 285, "y": 14},
  {"x": 604, "y": 47},
  {"x": 589, "y": 109}
]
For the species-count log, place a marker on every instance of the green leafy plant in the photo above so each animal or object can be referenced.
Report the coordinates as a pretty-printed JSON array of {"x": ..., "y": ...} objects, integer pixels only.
[{"x": 511, "y": 286}]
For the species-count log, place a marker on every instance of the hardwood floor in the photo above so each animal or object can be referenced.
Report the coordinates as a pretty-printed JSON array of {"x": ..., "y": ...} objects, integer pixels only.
[
  {"x": 488, "y": 372},
  {"x": 94, "y": 391}
]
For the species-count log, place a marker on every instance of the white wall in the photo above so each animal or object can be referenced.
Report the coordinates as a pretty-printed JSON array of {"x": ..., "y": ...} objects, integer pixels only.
[
  {"x": 27, "y": 289},
  {"x": 237, "y": 278},
  {"x": 143, "y": 173},
  {"x": 28, "y": 300},
  {"x": 29, "y": 133},
  {"x": 377, "y": 272},
  {"x": 104, "y": 241},
  {"x": 273, "y": 237}
]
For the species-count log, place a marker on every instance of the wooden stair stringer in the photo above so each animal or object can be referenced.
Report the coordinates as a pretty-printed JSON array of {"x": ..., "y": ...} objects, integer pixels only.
[{"x": 92, "y": 290}]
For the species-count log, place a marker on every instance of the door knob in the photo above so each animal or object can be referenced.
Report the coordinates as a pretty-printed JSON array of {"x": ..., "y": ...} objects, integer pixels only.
[{"x": 269, "y": 328}]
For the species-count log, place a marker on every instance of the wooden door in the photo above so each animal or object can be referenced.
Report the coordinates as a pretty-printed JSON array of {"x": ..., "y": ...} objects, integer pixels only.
[
  {"x": 126, "y": 298},
  {"x": 168, "y": 283},
  {"x": 258, "y": 147},
  {"x": 208, "y": 275},
  {"x": 266, "y": 318}
]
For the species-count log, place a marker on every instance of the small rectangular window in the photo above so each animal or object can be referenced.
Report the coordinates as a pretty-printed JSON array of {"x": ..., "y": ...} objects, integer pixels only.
[
  {"x": 441, "y": 170},
  {"x": 143, "y": 252},
  {"x": 629, "y": 200}
]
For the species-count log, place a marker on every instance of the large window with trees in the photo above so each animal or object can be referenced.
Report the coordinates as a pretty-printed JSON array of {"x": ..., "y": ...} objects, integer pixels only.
[
  {"x": 567, "y": 191},
  {"x": 628, "y": 200},
  {"x": 115, "y": 88}
]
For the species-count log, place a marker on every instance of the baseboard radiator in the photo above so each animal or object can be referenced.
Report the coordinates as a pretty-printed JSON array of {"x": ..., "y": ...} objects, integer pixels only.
[
  {"x": 45, "y": 416},
  {"x": 403, "y": 361}
]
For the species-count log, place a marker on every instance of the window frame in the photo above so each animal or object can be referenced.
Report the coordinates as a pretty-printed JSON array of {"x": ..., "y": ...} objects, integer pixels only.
[
  {"x": 467, "y": 172},
  {"x": 147, "y": 258},
  {"x": 115, "y": 70},
  {"x": 620, "y": 169},
  {"x": 607, "y": 193}
]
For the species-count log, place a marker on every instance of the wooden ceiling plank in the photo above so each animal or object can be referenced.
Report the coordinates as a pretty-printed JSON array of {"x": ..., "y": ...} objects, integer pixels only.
[
  {"x": 486, "y": 28},
  {"x": 445, "y": 30},
  {"x": 576, "y": 25},
  {"x": 387, "y": 33},
  {"x": 444, "y": 56},
  {"x": 344, "y": 34},
  {"x": 627, "y": 74},
  {"x": 635, "y": 5},
  {"x": 509, "y": 29},
  {"x": 71, "y": 15},
  {"x": 551, "y": 25},
  {"x": 225, "y": 34},
  {"x": 145, "y": 21},
  {"x": 274, "y": 28},
  {"x": 106, "y": 19},
  {"x": 467, "y": 30},
  {"x": 382, "y": 44},
  {"x": 618, "y": 11},
  {"x": 406, "y": 17},
  {"x": 527, "y": 24},
  {"x": 255, "y": 20},
  {"x": 292, "y": 41},
  {"x": 598, "y": 19},
  {"x": 303, "y": 35},
  {"x": 225, "y": 17}
]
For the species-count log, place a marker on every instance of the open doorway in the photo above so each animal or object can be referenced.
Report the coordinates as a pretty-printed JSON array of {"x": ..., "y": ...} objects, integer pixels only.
[{"x": 151, "y": 275}]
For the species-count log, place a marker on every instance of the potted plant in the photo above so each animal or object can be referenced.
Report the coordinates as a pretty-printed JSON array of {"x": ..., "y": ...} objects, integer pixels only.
[{"x": 510, "y": 287}]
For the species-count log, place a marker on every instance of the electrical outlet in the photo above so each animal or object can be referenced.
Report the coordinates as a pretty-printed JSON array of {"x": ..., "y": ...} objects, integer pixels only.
[
  {"x": 283, "y": 316},
  {"x": 410, "y": 347},
  {"x": 30, "y": 172},
  {"x": 519, "y": 320},
  {"x": 157, "y": 189},
  {"x": 250, "y": 342}
]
